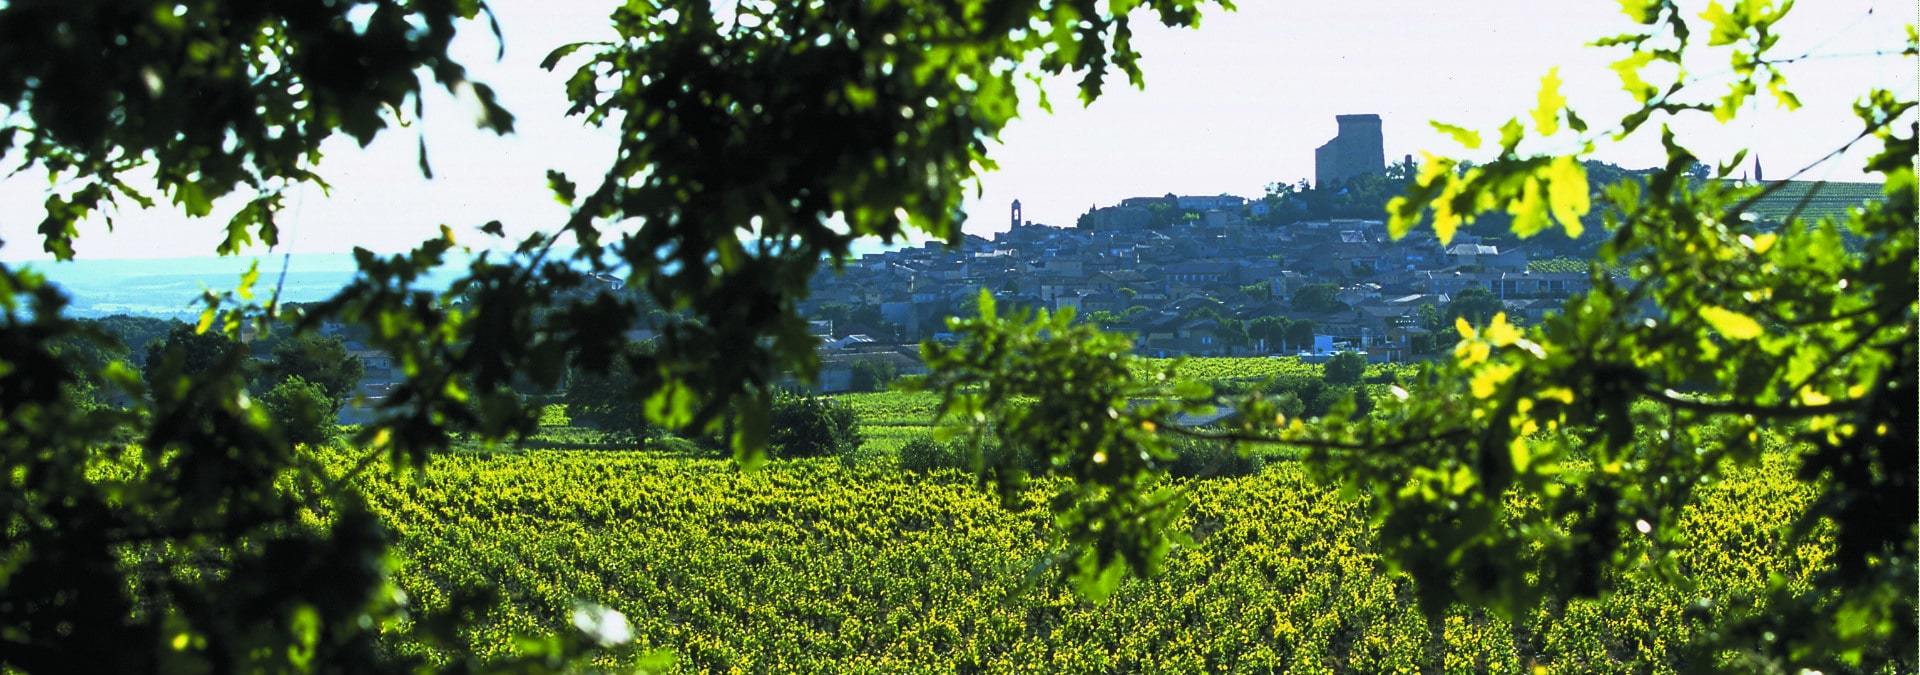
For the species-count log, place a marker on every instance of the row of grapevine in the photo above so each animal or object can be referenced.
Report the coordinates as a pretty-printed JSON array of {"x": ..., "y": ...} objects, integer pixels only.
[
  {"x": 1221, "y": 368},
  {"x": 813, "y": 566}
]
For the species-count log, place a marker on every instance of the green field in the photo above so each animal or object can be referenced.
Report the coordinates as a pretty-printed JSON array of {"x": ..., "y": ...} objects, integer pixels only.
[
  {"x": 821, "y": 565},
  {"x": 812, "y": 566}
]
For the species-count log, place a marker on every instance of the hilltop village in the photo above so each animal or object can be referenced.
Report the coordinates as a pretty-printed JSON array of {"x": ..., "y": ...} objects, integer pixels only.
[
  {"x": 1174, "y": 288},
  {"x": 1195, "y": 275}
]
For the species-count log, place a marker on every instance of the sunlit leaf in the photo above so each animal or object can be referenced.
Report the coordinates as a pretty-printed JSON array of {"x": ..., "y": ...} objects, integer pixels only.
[
  {"x": 1467, "y": 138},
  {"x": 1733, "y": 325},
  {"x": 1546, "y": 112},
  {"x": 1568, "y": 193}
]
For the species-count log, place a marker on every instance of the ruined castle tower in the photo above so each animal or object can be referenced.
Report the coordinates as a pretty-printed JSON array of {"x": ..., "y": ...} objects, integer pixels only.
[{"x": 1356, "y": 150}]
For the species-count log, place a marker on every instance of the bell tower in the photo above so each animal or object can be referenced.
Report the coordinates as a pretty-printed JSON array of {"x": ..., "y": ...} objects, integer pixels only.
[{"x": 1016, "y": 214}]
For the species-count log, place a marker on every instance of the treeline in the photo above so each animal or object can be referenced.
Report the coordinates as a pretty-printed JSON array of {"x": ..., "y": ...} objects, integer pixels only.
[
  {"x": 304, "y": 379},
  {"x": 800, "y": 424}
]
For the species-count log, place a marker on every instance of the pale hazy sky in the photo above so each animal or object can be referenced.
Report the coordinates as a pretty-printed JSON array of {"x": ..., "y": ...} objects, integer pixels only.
[{"x": 1233, "y": 106}]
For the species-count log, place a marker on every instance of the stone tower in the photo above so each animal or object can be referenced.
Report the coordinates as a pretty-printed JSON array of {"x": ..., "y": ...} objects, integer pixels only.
[
  {"x": 1016, "y": 213},
  {"x": 1356, "y": 150}
]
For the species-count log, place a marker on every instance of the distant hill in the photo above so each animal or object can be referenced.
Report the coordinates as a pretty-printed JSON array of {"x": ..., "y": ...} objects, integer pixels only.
[{"x": 171, "y": 287}]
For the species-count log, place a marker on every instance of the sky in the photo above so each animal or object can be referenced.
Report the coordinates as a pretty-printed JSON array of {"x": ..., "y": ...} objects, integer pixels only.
[{"x": 1229, "y": 108}]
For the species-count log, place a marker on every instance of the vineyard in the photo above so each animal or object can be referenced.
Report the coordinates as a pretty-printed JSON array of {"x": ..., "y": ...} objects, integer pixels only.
[
  {"x": 828, "y": 564},
  {"x": 813, "y": 566},
  {"x": 1813, "y": 199},
  {"x": 1218, "y": 369}
]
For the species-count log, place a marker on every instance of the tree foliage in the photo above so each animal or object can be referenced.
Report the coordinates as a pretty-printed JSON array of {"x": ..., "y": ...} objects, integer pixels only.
[
  {"x": 1272, "y": 329},
  {"x": 210, "y": 98},
  {"x": 1345, "y": 368},
  {"x": 190, "y": 352},
  {"x": 318, "y": 360},
  {"x": 873, "y": 374},
  {"x": 756, "y": 142},
  {"x": 304, "y": 411},
  {"x": 1725, "y": 330},
  {"x": 1316, "y": 298},
  {"x": 1065, "y": 393},
  {"x": 776, "y": 123},
  {"x": 805, "y": 425},
  {"x": 1475, "y": 304},
  {"x": 133, "y": 333},
  {"x": 607, "y": 401}
]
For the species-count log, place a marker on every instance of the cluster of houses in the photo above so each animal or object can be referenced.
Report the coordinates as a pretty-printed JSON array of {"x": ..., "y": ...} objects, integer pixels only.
[{"x": 1171, "y": 284}]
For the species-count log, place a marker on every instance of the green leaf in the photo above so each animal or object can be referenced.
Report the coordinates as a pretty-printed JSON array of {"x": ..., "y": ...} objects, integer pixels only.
[
  {"x": 1733, "y": 325},
  {"x": 1445, "y": 221},
  {"x": 1097, "y": 582},
  {"x": 1777, "y": 85},
  {"x": 193, "y": 199},
  {"x": 1574, "y": 121},
  {"x": 1630, "y": 80},
  {"x": 1467, "y": 138},
  {"x": 1727, "y": 28},
  {"x": 305, "y": 627},
  {"x": 657, "y": 661},
  {"x": 1641, "y": 11},
  {"x": 1520, "y": 454},
  {"x": 553, "y": 57},
  {"x": 563, "y": 189},
  {"x": 1402, "y": 215},
  {"x": 247, "y": 280},
  {"x": 1510, "y": 135},
  {"x": 1529, "y": 211},
  {"x": 1546, "y": 115},
  {"x": 751, "y": 429},
  {"x": 492, "y": 115},
  {"x": 1568, "y": 193}
]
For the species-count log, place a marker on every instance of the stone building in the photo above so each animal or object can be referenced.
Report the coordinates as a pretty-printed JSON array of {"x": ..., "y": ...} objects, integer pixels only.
[{"x": 1356, "y": 150}]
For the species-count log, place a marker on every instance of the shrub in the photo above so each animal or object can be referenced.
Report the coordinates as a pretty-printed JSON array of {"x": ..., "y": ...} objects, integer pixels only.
[
  {"x": 804, "y": 425},
  {"x": 873, "y": 374},
  {"x": 925, "y": 454},
  {"x": 1332, "y": 398},
  {"x": 1346, "y": 368},
  {"x": 301, "y": 410},
  {"x": 678, "y": 446},
  {"x": 607, "y": 401},
  {"x": 1195, "y": 457},
  {"x": 1300, "y": 395},
  {"x": 320, "y": 360},
  {"x": 185, "y": 352}
]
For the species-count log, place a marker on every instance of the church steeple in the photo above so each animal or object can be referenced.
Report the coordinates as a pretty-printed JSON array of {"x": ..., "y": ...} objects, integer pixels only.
[
  {"x": 1758, "y": 177},
  {"x": 1016, "y": 213}
]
